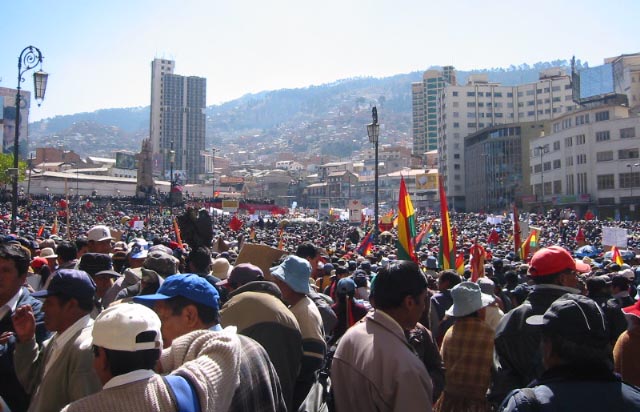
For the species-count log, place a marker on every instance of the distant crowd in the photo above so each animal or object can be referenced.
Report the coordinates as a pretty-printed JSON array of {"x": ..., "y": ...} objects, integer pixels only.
[{"x": 113, "y": 306}]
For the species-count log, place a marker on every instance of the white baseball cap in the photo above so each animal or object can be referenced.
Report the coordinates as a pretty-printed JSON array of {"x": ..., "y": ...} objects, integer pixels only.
[
  {"x": 99, "y": 233},
  {"x": 118, "y": 328}
]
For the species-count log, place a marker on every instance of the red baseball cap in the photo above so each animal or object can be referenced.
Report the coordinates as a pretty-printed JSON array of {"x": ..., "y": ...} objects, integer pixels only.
[
  {"x": 552, "y": 260},
  {"x": 633, "y": 309}
]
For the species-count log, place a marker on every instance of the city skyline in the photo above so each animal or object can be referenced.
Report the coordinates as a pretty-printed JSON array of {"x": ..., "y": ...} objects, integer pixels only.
[{"x": 255, "y": 46}]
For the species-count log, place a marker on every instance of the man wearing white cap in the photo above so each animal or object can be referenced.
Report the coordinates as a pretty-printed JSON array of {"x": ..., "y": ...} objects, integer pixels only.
[
  {"x": 99, "y": 238},
  {"x": 127, "y": 344}
]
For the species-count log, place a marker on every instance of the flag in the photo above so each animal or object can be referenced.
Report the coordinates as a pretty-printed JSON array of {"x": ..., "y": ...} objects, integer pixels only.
[
  {"x": 406, "y": 225},
  {"x": 54, "y": 227},
  {"x": 366, "y": 245},
  {"x": 530, "y": 242},
  {"x": 446, "y": 253},
  {"x": 235, "y": 224},
  {"x": 426, "y": 228},
  {"x": 494, "y": 237},
  {"x": 477, "y": 253},
  {"x": 516, "y": 229},
  {"x": 176, "y": 229},
  {"x": 580, "y": 238},
  {"x": 615, "y": 256},
  {"x": 460, "y": 263},
  {"x": 40, "y": 231}
]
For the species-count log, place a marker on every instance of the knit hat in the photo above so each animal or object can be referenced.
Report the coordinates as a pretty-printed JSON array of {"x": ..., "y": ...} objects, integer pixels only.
[
  {"x": 468, "y": 298},
  {"x": 120, "y": 327}
]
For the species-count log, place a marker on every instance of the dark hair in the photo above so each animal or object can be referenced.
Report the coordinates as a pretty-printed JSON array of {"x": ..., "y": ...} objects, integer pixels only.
[
  {"x": 200, "y": 258},
  {"x": 67, "y": 251},
  {"x": 394, "y": 282},
  {"x": 121, "y": 362},
  {"x": 449, "y": 276},
  {"x": 307, "y": 250},
  {"x": 551, "y": 279},
  {"x": 81, "y": 241},
  {"x": 207, "y": 314},
  {"x": 18, "y": 254},
  {"x": 86, "y": 304}
]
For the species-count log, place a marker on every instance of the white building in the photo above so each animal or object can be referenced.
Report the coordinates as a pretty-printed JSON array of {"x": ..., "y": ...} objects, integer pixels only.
[
  {"x": 463, "y": 110},
  {"x": 590, "y": 160}
]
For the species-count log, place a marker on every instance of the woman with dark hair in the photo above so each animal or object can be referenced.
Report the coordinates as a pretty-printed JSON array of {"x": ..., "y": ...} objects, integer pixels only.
[{"x": 347, "y": 309}]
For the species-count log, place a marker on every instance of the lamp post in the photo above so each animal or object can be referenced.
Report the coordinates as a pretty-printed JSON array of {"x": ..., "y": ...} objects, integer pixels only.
[
  {"x": 373, "y": 130},
  {"x": 30, "y": 57},
  {"x": 541, "y": 150},
  {"x": 172, "y": 159}
]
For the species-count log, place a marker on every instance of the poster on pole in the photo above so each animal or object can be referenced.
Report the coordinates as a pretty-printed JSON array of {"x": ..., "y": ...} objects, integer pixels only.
[
  {"x": 355, "y": 211},
  {"x": 614, "y": 236}
]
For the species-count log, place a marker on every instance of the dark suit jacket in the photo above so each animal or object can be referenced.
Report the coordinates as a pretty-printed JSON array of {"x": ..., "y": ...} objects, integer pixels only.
[{"x": 10, "y": 389}]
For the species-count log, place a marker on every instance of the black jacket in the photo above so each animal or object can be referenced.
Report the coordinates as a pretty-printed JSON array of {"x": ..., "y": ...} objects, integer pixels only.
[{"x": 517, "y": 357}]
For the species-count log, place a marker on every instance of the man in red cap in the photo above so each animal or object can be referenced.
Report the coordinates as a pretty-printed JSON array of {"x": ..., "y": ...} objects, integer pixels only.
[{"x": 517, "y": 357}]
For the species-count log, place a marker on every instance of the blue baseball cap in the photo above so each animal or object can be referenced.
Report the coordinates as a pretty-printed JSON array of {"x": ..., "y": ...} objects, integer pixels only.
[
  {"x": 295, "y": 272},
  {"x": 69, "y": 282},
  {"x": 187, "y": 285}
]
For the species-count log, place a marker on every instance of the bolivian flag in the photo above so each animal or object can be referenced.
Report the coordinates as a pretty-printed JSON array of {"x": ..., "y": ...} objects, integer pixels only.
[
  {"x": 406, "y": 225},
  {"x": 447, "y": 253},
  {"x": 616, "y": 257}
]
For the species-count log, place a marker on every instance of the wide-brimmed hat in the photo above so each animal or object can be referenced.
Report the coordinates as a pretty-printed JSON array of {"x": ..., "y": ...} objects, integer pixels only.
[
  {"x": 468, "y": 298},
  {"x": 295, "y": 272},
  {"x": 48, "y": 253}
]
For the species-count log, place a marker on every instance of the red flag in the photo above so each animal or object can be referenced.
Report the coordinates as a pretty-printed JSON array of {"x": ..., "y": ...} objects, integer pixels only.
[
  {"x": 616, "y": 257},
  {"x": 177, "y": 230},
  {"x": 477, "y": 261},
  {"x": 54, "y": 228},
  {"x": 516, "y": 230},
  {"x": 580, "y": 237},
  {"x": 235, "y": 224},
  {"x": 40, "y": 231},
  {"x": 460, "y": 263}
]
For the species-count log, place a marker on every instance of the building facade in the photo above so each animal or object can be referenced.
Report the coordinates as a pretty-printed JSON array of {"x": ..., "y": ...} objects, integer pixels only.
[
  {"x": 8, "y": 120},
  {"x": 178, "y": 119},
  {"x": 591, "y": 160},
  {"x": 466, "y": 109}
]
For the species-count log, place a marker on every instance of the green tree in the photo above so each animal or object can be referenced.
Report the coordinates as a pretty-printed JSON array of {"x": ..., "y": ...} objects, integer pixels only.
[{"x": 6, "y": 163}]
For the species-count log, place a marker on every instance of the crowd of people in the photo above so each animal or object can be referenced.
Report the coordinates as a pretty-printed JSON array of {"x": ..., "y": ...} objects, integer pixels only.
[{"x": 104, "y": 307}]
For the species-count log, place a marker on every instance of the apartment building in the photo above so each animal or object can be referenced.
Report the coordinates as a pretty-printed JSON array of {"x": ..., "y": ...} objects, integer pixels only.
[
  {"x": 466, "y": 109},
  {"x": 177, "y": 122},
  {"x": 589, "y": 161}
]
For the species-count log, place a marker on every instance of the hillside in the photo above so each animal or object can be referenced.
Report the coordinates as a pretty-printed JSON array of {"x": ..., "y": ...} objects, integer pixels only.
[{"x": 324, "y": 119}]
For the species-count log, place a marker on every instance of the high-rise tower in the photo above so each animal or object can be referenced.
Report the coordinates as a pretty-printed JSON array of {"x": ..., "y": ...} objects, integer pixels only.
[{"x": 177, "y": 122}]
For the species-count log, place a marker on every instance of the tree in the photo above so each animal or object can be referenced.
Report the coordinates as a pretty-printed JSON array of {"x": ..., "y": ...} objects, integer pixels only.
[{"x": 6, "y": 163}]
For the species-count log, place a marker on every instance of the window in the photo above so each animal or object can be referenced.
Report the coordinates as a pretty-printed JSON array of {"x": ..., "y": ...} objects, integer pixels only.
[
  {"x": 582, "y": 183},
  {"x": 580, "y": 139},
  {"x": 509, "y": 94},
  {"x": 569, "y": 161},
  {"x": 480, "y": 94},
  {"x": 497, "y": 94},
  {"x": 604, "y": 182},
  {"x": 581, "y": 159},
  {"x": 570, "y": 187},
  {"x": 456, "y": 156},
  {"x": 537, "y": 168},
  {"x": 455, "y": 93},
  {"x": 604, "y": 156},
  {"x": 557, "y": 187},
  {"x": 456, "y": 124},
  {"x": 601, "y": 116},
  {"x": 568, "y": 141},
  {"x": 628, "y": 180},
  {"x": 628, "y": 153},
  {"x": 602, "y": 136},
  {"x": 627, "y": 133},
  {"x": 556, "y": 145},
  {"x": 557, "y": 164},
  {"x": 471, "y": 104},
  {"x": 530, "y": 92},
  {"x": 471, "y": 94},
  {"x": 547, "y": 166}
]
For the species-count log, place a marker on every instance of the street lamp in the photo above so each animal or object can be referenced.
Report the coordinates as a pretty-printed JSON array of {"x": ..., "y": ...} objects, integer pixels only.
[
  {"x": 373, "y": 130},
  {"x": 30, "y": 57},
  {"x": 542, "y": 149}
]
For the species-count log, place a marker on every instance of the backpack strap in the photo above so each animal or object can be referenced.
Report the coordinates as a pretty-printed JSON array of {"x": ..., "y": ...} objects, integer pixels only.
[{"x": 183, "y": 392}]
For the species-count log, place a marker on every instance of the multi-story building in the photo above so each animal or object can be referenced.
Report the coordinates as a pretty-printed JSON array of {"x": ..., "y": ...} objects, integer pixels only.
[
  {"x": 463, "y": 110},
  {"x": 8, "y": 120},
  {"x": 177, "y": 127},
  {"x": 424, "y": 98},
  {"x": 590, "y": 160}
]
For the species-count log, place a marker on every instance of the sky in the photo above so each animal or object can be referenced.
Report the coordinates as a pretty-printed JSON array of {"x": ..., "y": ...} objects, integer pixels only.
[{"x": 98, "y": 52}]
